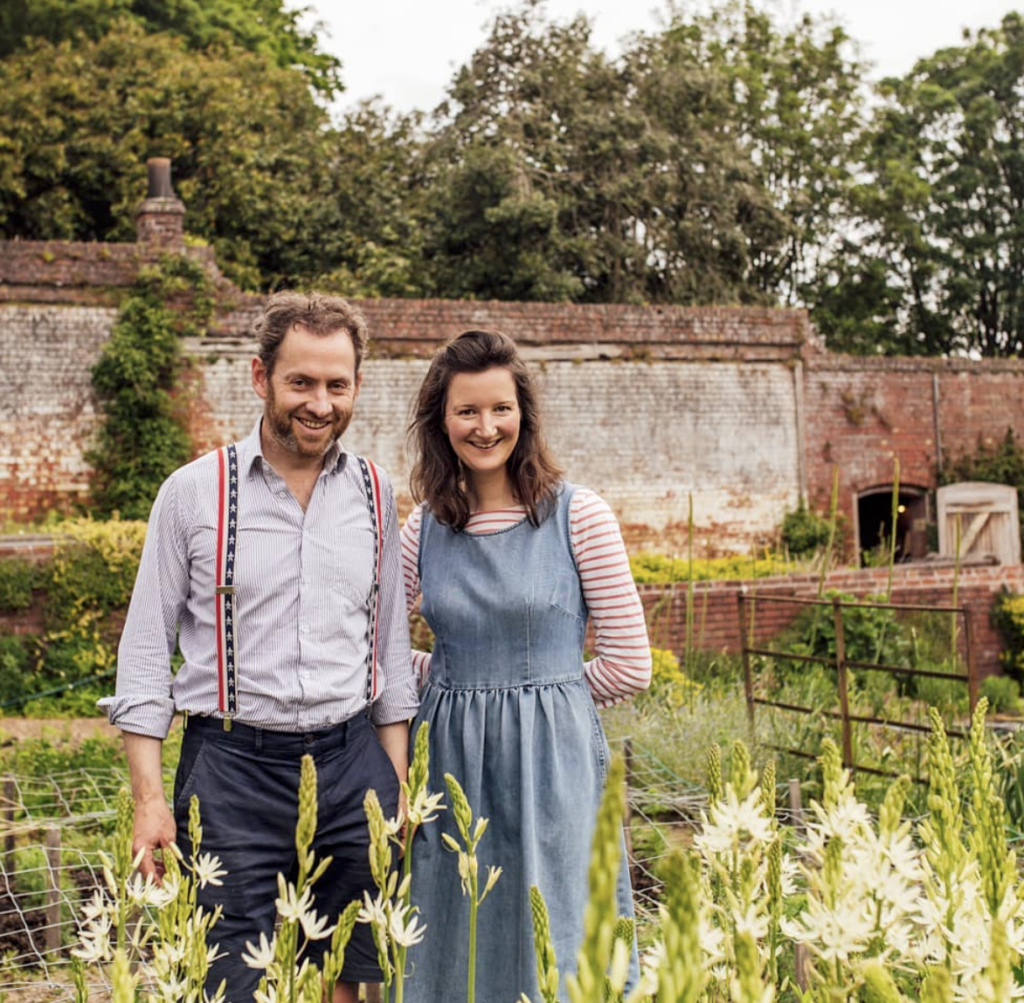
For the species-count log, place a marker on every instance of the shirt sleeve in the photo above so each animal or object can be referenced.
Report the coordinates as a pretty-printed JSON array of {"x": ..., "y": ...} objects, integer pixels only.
[
  {"x": 623, "y": 663},
  {"x": 411, "y": 579},
  {"x": 143, "y": 703},
  {"x": 397, "y": 700}
]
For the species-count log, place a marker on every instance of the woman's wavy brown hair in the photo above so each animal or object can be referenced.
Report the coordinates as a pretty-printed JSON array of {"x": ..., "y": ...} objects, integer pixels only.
[{"x": 437, "y": 478}]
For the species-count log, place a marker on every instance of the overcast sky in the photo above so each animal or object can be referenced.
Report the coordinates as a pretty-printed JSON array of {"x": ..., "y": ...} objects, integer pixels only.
[{"x": 408, "y": 50}]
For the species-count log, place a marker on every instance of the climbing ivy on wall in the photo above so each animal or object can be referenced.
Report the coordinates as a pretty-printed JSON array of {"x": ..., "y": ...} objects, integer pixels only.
[{"x": 144, "y": 436}]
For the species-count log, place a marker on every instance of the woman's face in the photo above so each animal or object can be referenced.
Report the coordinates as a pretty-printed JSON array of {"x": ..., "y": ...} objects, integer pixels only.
[{"x": 481, "y": 418}]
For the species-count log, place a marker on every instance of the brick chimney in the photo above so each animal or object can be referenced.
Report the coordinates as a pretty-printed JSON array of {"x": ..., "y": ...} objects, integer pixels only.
[{"x": 160, "y": 217}]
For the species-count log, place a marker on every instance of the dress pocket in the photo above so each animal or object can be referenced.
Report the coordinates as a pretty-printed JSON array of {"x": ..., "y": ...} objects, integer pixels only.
[{"x": 563, "y": 593}]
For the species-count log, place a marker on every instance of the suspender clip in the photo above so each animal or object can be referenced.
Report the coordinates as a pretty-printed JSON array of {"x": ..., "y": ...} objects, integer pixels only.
[
  {"x": 227, "y": 723},
  {"x": 224, "y": 590}
]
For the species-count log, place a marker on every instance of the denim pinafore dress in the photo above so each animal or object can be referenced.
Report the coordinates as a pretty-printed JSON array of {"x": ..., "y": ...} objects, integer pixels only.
[{"x": 512, "y": 719}]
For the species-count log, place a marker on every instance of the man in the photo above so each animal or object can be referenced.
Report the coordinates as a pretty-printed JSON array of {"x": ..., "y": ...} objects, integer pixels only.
[{"x": 277, "y": 572}]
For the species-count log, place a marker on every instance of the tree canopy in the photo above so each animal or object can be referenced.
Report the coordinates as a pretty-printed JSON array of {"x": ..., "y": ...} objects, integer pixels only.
[
  {"x": 261, "y": 26},
  {"x": 729, "y": 157}
]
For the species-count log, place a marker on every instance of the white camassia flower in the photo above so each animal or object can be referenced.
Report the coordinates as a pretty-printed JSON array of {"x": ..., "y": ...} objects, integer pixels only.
[
  {"x": 424, "y": 807},
  {"x": 374, "y": 912},
  {"x": 95, "y": 946},
  {"x": 405, "y": 928},
  {"x": 290, "y": 907},
  {"x": 259, "y": 957},
  {"x": 832, "y": 934},
  {"x": 207, "y": 870},
  {"x": 315, "y": 927},
  {"x": 730, "y": 822}
]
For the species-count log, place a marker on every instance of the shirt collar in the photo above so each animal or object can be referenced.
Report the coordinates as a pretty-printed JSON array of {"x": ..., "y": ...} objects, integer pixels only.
[{"x": 251, "y": 449}]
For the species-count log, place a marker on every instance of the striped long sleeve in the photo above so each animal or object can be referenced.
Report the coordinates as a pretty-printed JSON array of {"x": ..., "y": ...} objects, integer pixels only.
[{"x": 622, "y": 666}]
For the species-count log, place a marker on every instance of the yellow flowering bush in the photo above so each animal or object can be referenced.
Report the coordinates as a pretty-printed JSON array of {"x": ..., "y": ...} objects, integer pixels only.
[
  {"x": 1008, "y": 616},
  {"x": 657, "y": 569},
  {"x": 87, "y": 581},
  {"x": 669, "y": 682}
]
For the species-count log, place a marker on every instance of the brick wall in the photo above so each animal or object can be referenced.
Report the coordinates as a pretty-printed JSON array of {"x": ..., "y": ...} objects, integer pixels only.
[
  {"x": 739, "y": 408},
  {"x": 860, "y": 413},
  {"x": 716, "y": 607},
  {"x": 645, "y": 435}
]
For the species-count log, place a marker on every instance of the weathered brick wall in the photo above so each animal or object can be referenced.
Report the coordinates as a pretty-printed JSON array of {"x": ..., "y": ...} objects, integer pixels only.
[
  {"x": 739, "y": 408},
  {"x": 48, "y": 413},
  {"x": 49, "y": 271},
  {"x": 860, "y": 413},
  {"x": 645, "y": 435}
]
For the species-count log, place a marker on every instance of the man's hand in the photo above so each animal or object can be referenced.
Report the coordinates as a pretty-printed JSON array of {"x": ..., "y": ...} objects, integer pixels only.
[
  {"x": 154, "y": 831},
  {"x": 154, "y": 825}
]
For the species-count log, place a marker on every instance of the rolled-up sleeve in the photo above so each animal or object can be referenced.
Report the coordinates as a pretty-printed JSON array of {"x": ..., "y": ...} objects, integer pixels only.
[
  {"x": 397, "y": 691},
  {"x": 143, "y": 703}
]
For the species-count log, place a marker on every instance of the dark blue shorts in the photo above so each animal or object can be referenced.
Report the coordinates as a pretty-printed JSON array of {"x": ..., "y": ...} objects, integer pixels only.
[{"x": 247, "y": 781}]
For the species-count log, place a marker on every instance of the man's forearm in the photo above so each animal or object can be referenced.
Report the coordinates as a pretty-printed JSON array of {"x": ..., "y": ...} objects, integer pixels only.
[
  {"x": 395, "y": 740},
  {"x": 145, "y": 765},
  {"x": 154, "y": 828}
]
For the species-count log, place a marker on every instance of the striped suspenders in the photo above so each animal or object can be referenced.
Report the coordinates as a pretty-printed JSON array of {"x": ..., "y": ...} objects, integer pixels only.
[
  {"x": 371, "y": 484},
  {"x": 227, "y": 526},
  {"x": 227, "y": 536}
]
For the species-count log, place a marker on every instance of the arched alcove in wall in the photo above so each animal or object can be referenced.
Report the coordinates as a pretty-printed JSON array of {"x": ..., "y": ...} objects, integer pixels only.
[{"x": 874, "y": 524}]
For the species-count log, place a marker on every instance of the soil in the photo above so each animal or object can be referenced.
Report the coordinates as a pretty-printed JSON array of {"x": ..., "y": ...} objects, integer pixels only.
[{"x": 72, "y": 729}]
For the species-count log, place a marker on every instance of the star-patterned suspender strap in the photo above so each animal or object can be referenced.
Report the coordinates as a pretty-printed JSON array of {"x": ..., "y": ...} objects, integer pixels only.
[
  {"x": 371, "y": 484},
  {"x": 227, "y": 525}
]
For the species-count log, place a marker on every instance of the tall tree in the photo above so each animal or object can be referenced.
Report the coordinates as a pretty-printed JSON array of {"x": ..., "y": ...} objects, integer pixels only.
[
  {"x": 498, "y": 165},
  {"x": 369, "y": 217},
  {"x": 936, "y": 265},
  {"x": 763, "y": 125},
  {"x": 266, "y": 27}
]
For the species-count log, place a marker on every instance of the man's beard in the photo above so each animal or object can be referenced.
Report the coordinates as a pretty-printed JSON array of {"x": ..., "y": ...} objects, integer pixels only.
[{"x": 281, "y": 425}]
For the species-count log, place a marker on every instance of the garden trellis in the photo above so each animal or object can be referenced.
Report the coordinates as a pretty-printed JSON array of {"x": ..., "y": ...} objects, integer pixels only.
[{"x": 958, "y": 669}]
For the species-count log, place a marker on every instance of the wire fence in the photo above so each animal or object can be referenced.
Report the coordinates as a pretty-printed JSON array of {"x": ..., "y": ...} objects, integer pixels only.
[{"x": 53, "y": 829}]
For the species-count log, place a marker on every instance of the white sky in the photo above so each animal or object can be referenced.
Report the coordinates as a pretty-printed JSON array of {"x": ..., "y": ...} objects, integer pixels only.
[{"x": 408, "y": 50}]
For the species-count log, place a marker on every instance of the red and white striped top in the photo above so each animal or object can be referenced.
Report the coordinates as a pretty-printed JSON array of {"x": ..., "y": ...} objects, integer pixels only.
[{"x": 623, "y": 663}]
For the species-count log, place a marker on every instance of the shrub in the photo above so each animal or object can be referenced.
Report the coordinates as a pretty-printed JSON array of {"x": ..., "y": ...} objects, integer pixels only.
[
  {"x": 87, "y": 581},
  {"x": 1008, "y": 617},
  {"x": 1002, "y": 693},
  {"x": 17, "y": 579},
  {"x": 144, "y": 437},
  {"x": 804, "y": 532},
  {"x": 657, "y": 569},
  {"x": 93, "y": 569},
  {"x": 669, "y": 683}
]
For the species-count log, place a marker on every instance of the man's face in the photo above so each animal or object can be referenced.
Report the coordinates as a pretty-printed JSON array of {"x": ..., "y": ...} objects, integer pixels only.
[{"x": 310, "y": 394}]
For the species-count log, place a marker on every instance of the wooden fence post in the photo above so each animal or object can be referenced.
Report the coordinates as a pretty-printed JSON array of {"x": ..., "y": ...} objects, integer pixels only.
[
  {"x": 53, "y": 891},
  {"x": 7, "y": 814},
  {"x": 627, "y": 822},
  {"x": 796, "y": 809},
  {"x": 843, "y": 683}
]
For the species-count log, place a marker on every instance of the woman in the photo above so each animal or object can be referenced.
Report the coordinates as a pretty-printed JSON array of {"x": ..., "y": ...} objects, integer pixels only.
[{"x": 510, "y": 561}]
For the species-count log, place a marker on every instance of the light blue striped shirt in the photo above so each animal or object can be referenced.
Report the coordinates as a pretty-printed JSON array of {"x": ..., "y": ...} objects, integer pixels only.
[{"x": 302, "y": 593}]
